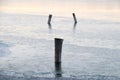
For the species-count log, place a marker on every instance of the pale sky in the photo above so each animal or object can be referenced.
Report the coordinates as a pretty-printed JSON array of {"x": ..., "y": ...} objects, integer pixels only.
[{"x": 62, "y": 7}]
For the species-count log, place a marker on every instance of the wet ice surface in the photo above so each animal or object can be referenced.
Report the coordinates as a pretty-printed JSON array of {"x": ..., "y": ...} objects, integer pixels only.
[{"x": 90, "y": 50}]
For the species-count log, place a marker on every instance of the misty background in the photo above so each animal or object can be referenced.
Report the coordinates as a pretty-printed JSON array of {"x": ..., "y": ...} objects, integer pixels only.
[{"x": 97, "y": 9}]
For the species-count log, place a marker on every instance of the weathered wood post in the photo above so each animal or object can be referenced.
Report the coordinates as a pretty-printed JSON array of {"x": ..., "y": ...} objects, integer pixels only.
[
  {"x": 58, "y": 51},
  {"x": 75, "y": 20},
  {"x": 49, "y": 18}
]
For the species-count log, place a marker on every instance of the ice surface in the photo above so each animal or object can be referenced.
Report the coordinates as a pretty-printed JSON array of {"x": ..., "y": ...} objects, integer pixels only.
[{"x": 91, "y": 48}]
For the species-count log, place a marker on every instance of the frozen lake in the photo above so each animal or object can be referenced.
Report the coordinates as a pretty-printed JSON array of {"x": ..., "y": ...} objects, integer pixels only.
[{"x": 90, "y": 48}]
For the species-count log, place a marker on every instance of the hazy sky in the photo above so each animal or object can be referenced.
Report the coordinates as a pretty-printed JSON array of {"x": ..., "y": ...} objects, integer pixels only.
[{"x": 62, "y": 7}]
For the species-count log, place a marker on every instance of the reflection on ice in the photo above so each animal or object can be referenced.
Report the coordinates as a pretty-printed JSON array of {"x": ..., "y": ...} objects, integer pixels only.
[
  {"x": 74, "y": 26},
  {"x": 58, "y": 70},
  {"x": 4, "y": 49},
  {"x": 50, "y": 26}
]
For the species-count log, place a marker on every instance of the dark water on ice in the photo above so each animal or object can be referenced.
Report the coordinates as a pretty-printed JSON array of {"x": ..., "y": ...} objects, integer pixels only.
[{"x": 91, "y": 48}]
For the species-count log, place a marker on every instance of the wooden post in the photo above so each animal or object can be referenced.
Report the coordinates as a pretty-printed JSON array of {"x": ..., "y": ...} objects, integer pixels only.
[
  {"x": 75, "y": 20},
  {"x": 49, "y": 18},
  {"x": 58, "y": 49}
]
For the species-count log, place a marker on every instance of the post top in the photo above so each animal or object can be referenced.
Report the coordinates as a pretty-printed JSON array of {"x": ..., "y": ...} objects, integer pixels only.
[{"x": 58, "y": 39}]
